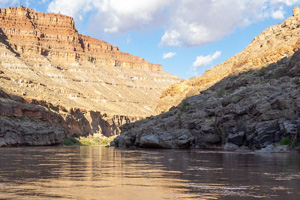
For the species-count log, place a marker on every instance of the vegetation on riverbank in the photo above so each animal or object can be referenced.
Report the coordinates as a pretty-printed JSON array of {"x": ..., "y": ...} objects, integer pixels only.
[
  {"x": 287, "y": 141},
  {"x": 96, "y": 139}
]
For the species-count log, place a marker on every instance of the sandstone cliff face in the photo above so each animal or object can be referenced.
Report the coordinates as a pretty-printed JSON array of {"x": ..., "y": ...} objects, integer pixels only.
[
  {"x": 256, "y": 104},
  {"x": 54, "y": 36},
  {"x": 273, "y": 44},
  {"x": 44, "y": 60}
]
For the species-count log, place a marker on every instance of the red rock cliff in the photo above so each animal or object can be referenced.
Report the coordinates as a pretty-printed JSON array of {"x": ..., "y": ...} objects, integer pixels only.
[{"x": 54, "y": 35}]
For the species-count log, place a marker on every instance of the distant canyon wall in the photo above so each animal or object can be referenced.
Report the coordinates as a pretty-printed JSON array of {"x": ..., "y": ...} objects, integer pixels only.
[{"x": 54, "y": 35}]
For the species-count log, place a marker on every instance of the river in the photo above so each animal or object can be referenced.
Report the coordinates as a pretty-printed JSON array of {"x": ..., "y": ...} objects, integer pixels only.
[{"x": 96, "y": 172}]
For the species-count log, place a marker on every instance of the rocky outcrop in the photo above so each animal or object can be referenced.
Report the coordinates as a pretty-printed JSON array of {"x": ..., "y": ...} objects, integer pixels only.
[
  {"x": 255, "y": 109},
  {"x": 252, "y": 110},
  {"x": 273, "y": 44},
  {"x": 22, "y": 123},
  {"x": 35, "y": 122}
]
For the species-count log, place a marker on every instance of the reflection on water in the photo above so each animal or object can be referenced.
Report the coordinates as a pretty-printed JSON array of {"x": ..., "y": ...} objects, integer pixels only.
[{"x": 108, "y": 173}]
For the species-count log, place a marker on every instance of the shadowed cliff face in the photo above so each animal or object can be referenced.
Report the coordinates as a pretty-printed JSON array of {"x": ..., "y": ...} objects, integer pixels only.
[
  {"x": 250, "y": 111},
  {"x": 40, "y": 123},
  {"x": 272, "y": 45},
  {"x": 43, "y": 57}
]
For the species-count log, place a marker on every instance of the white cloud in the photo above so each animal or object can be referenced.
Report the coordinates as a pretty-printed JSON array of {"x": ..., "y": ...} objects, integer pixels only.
[
  {"x": 126, "y": 15},
  {"x": 168, "y": 55},
  {"x": 4, "y": 3},
  {"x": 185, "y": 22},
  {"x": 205, "y": 60},
  {"x": 113, "y": 29},
  {"x": 278, "y": 14},
  {"x": 286, "y": 2},
  {"x": 74, "y": 8},
  {"x": 171, "y": 38}
]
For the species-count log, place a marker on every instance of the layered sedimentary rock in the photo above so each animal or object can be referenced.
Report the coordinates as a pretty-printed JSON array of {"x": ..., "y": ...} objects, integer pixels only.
[
  {"x": 273, "y": 44},
  {"x": 256, "y": 104},
  {"x": 44, "y": 60}
]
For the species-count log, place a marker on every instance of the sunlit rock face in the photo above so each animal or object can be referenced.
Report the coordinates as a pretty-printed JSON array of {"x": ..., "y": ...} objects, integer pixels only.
[
  {"x": 46, "y": 61},
  {"x": 273, "y": 44}
]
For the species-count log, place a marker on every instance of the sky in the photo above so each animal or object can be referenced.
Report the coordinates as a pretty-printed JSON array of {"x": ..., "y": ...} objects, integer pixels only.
[{"x": 186, "y": 37}]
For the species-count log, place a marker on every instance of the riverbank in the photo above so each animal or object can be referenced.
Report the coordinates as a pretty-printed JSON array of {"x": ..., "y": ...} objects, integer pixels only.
[{"x": 96, "y": 139}]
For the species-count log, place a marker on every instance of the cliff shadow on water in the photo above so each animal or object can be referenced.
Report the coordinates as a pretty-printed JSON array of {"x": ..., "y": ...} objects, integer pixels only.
[
  {"x": 249, "y": 110},
  {"x": 32, "y": 122}
]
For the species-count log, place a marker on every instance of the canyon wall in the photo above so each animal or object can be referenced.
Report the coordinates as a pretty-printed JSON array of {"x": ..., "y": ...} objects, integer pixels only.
[
  {"x": 272, "y": 45},
  {"x": 45, "y": 61},
  {"x": 41, "y": 123}
]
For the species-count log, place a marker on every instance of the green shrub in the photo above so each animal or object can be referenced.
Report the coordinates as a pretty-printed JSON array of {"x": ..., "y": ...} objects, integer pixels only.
[
  {"x": 262, "y": 72},
  {"x": 288, "y": 141},
  {"x": 88, "y": 140},
  {"x": 279, "y": 73},
  {"x": 285, "y": 141},
  {"x": 71, "y": 141},
  {"x": 296, "y": 81},
  {"x": 178, "y": 115},
  {"x": 220, "y": 92},
  {"x": 235, "y": 99},
  {"x": 221, "y": 133},
  {"x": 185, "y": 106},
  {"x": 294, "y": 143},
  {"x": 242, "y": 88}
]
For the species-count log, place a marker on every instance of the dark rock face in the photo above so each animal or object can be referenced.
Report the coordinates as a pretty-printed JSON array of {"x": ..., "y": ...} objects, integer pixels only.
[
  {"x": 253, "y": 109},
  {"x": 15, "y": 133},
  {"x": 237, "y": 139},
  {"x": 39, "y": 123},
  {"x": 22, "y": 123}
]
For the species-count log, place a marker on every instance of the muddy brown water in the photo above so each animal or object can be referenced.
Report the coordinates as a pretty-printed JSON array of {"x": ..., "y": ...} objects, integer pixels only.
[{"x": 96, "y": 172}]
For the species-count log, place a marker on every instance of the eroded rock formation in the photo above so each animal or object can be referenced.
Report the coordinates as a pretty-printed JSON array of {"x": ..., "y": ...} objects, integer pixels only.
[{"x": 44, "y": 60}]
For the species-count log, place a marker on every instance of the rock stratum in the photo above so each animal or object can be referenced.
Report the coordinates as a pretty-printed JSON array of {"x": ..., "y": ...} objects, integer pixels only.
[
  {"x": 89, "y": 83},
  {"x": 250, "y": 101}
]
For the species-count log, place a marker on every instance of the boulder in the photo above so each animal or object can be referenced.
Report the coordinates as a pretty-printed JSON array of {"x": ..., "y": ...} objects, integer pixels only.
[{"x": 237, "y": 138}]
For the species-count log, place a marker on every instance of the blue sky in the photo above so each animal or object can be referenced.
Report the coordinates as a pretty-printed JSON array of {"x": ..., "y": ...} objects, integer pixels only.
[{"x": 186, "y": 36}]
